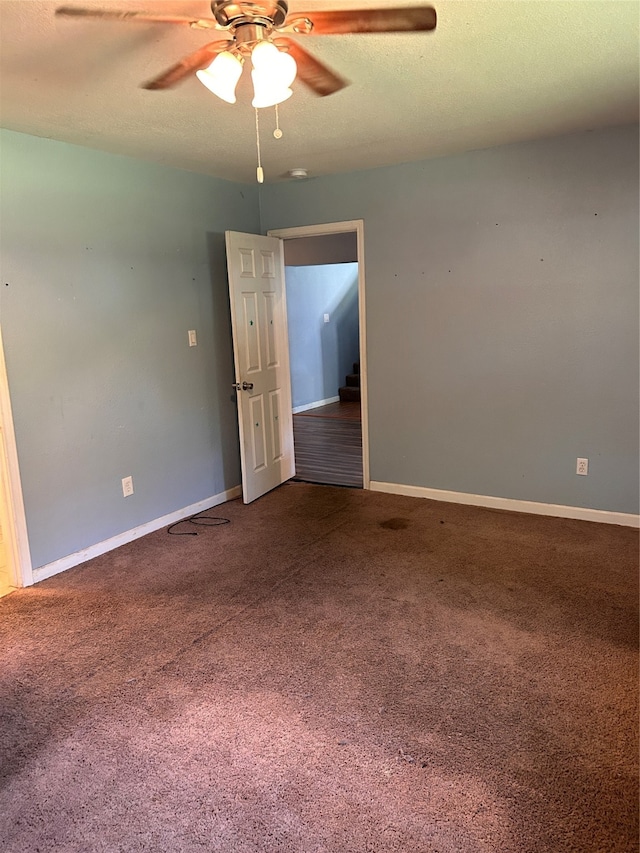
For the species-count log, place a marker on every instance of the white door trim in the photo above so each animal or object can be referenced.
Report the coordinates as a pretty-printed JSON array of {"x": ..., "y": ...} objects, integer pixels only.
[
  {"x": 356, "y": 225},
  {"x": 17, "y": 539}
]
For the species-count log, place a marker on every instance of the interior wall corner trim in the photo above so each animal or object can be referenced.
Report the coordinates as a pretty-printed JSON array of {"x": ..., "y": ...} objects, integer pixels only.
[
  {"x": 490, "y": 502},
  {"x": 64, "y": 563}
]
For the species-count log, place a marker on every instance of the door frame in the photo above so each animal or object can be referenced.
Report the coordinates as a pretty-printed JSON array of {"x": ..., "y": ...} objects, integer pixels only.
[
  {"x": 16, "y": 538},
  {"x": 357, "y": 226}
]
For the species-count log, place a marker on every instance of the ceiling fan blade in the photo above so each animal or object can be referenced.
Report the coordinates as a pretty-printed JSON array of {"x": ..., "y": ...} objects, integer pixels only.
[
  {"x": 189, "y": 65},
  {"x": 313, "y": 73},
  {"x": 398, "y": 20},
  {"x": 138, "y": 17}
]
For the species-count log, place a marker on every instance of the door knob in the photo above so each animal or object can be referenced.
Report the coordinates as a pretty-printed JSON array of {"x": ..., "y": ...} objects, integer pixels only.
[
  {"x": 247, "y": 386},
  {"x": 237, "y": 386}
]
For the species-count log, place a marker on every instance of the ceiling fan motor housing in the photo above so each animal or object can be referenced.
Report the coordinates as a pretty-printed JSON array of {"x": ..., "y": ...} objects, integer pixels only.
[{"x": 229, "y": 14}]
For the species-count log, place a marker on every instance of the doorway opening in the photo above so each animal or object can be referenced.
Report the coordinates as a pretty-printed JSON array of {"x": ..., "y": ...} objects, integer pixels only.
[
  {"x": 6, "y": 573},
  {"x": 324, "y": 279},
  {"x": 15, "y": 559}
]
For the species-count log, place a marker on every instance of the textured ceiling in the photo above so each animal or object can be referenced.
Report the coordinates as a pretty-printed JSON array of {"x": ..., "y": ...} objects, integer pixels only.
[{"x": 492, "y": 72}]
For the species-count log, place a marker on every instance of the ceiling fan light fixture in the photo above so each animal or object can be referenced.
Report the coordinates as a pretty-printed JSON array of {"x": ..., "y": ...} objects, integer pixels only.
[
  {"x": 273, "y": 73},
  {"x": 268, "y": 95},
  {"x": 222, "y": 76}
]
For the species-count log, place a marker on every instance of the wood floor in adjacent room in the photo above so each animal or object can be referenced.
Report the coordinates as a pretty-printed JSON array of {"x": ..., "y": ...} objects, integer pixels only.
[{"x": 328, "y": 445}]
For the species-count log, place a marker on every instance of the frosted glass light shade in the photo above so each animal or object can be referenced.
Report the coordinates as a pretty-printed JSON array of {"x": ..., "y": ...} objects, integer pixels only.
[
  {"x": 272, "y": 75},
  {"x": 222, "y": 76}
]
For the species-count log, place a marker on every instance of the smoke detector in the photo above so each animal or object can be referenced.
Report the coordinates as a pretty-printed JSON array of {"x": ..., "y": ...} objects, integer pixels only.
[{"x": 298, "y": 174}]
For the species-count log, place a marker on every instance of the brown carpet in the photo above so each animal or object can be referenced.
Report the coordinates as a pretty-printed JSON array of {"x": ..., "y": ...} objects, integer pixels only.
[{"x": 334, "y": 671}]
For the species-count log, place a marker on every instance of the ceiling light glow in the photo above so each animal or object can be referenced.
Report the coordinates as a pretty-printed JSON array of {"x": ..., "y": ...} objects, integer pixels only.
[
  {"x": 222, "y": 76},
  {"x": 272, "y": 75}
]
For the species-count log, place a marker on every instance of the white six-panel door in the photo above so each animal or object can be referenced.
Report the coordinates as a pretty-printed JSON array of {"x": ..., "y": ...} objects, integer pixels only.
[{"x": 261, "y": 353}]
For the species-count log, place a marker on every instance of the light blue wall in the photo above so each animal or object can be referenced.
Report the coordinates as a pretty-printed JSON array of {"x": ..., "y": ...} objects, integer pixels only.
[
  {"x": 502, "y": 325},
  {"x": 502, "y": 315},
  {"x": 107, "y": 262},
  {"x": 321, "y": 354}
]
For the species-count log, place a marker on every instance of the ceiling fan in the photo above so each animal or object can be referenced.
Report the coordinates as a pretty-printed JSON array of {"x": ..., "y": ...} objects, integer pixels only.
[{"x": 250, "y": 24}]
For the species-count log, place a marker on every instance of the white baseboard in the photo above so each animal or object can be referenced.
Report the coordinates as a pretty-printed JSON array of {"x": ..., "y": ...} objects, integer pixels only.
[
  {"x": 315, "y": 405},
  {"x": 556, "y": 510},
  {"x": 64, "y": 563}
]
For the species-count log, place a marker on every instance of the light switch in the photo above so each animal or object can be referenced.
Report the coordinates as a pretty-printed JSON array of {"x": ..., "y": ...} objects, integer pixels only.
[
  {"x": 326, "y": 318},
  {"x": 193, "y": 340}
]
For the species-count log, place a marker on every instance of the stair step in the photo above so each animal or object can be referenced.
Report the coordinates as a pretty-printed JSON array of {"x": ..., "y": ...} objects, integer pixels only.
[
  {"x": 353, "y": 380},
  {"x": 349, "y": 394}
]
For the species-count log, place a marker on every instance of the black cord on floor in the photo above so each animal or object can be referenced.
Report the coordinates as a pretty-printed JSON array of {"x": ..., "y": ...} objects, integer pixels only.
[{"x": 198, "y": 518}]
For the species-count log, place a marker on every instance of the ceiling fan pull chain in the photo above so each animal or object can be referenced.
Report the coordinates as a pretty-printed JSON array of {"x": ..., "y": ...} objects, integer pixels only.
[
  {"x": 259, "y": 170},
  {"x": 277, "y": 132}
]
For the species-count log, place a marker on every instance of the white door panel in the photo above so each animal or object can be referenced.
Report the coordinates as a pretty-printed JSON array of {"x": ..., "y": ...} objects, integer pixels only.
[{"x": 261, "y": 353}]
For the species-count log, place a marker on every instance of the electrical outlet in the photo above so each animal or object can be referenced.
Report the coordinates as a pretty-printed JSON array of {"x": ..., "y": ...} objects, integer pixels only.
[
  {"x": 193, "y": 338},
  {"x": 582, "y": 466},
  {"x": 127, "y": 486}
]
